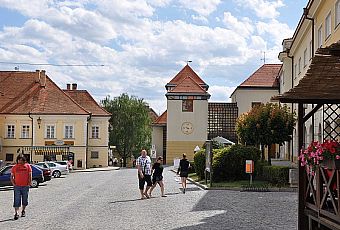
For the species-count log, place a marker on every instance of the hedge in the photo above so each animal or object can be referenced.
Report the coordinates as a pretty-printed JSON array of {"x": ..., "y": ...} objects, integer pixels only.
[
  {"x": 277, "y": 175},
  {"x": 229, "y": 163},
  {"x": 199, "y": 163}
]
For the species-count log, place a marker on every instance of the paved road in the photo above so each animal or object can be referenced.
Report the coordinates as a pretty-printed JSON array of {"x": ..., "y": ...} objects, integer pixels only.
[{"x": 109, "y": 200}]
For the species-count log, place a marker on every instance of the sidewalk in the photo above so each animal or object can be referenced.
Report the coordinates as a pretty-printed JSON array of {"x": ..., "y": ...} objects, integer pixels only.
[{"x": 95, "y": 169}]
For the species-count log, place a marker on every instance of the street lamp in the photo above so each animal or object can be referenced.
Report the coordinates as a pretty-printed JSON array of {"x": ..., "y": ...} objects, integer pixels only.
[{"x": 39, "y": 122}]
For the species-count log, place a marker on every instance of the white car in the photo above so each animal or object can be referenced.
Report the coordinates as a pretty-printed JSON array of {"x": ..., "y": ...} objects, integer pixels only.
[{"x": 57, "y": 169}]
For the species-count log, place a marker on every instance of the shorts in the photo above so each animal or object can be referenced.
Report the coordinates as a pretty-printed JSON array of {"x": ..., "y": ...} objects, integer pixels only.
[
  {"x": 147, "y": 179},
  {"x": 20, "y": 194},
  {"x": 184, "y": 174},
  {"x": 156, "y": 179}
]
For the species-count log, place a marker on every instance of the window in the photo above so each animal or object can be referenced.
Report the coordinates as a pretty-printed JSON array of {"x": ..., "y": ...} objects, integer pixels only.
[
  {"x": 310, "y": 50},
  {"x": 254, "y": 104},
  {"x": 337, "y": 13},
  {"x": 68, "y": 131},
  {"x": 9, "y": 156},
  {"x": 299, "y": 65},
  {"x": 94, "y": 154},
  {"x": 295, "y": 70},
  {"x": 305, "y": 58},
  {"x": 95, "y": 132},
  {"x": 328, "y": 26},
  {"x": 50, "y": 131},
  {"x": 10, "y": 131},
  {"x": 320, "y": 37},
  {"x": 187, "y": 106},
  {"x": 25, "y": 131}
]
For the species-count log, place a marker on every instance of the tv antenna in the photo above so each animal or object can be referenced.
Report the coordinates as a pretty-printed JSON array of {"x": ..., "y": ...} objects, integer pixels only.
[
  {"x": 264, "y": 57},
  {"x": 188, "y": 62}
]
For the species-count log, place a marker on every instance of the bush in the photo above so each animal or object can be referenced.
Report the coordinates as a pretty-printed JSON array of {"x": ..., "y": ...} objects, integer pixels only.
[
  {"x": 229, "y": 163},
  {"x": 277, "y": 175},
  {"x": 258, "y": 173},
  {"x": 199, "y": 163}
]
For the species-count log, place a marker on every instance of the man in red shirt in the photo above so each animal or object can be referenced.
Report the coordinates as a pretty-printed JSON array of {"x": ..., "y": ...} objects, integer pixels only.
[{"x": 21, "y": 178}]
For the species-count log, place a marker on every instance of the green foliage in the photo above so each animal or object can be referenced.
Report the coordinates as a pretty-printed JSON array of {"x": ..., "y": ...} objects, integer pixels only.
[
  {"x": 266, "y": 124},
  {"x": 199, "y": 162},
  {"x": 130, "y": 129},
  {"x": 259, "y": 169},
  {"x": 277, "y": 175},
  {"x": 229, "y": 163}
]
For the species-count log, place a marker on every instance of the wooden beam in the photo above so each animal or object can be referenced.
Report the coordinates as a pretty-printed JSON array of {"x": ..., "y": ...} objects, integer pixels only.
[
  {"x": 302, "y": 218},
  {"x": 312, "y": 112}
]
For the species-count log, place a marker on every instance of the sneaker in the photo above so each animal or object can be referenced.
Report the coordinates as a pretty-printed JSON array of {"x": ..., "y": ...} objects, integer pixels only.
[
  {"x": 23, "y": 214},
  {"x": 184, "y": 190},
  {"x": 16, "y": 216}
]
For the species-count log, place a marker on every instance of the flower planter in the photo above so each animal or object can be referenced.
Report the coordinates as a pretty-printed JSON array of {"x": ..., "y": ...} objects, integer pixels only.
[{"x": 331, "y": 164}]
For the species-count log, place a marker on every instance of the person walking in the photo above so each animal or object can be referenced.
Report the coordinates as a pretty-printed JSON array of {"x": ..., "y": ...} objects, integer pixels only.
[
  {"x": 157, "y": 176},
  {"x": 144, "y": 174},
  {"x": 183, "y": 171},
  {"x": 21, "y": 178}
]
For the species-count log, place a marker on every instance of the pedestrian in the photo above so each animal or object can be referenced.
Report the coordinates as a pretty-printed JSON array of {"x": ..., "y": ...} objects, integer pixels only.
[
  {"x": 157, "y": 176},
  {"x": 21, "y": 178},
  {"x": 183, "y": 171},
  {"x": 144, "y": 174}
]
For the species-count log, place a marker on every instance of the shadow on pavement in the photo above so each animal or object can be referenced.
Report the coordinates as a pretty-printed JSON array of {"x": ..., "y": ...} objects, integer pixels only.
[
  {"x": 1, "y": 221},
  {"x": 124, "y": 201}
]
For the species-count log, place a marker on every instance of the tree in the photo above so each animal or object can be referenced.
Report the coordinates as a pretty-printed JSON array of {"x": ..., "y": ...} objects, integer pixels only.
[
  {"x": 130, "y": 124},
  {"x": 266, "y": 125}
]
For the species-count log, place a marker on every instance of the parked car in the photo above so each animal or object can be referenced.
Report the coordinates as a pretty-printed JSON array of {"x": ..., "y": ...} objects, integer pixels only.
[
  {"x": 69, "y": 165},
  {"x": 46, "y": 172},
  {"x": 57, "y": 169},
  {"x": 5, "y": 176}
]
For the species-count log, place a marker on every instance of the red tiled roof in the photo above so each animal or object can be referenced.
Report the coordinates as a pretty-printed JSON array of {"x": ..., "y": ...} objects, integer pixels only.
[
  {"x": 84, "y": 99},
  {"x": 162, "y": 119},
  {"x": 265, "y": 76},
  {"x": 188, "y": 85},
  {"x": 22, "y": 93},
  {"x": 152, "y": 114},
  {"x": 186, "y": 71}
]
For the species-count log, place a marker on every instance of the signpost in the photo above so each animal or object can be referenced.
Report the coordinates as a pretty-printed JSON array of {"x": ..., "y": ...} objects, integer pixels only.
[
  {"x": 250, "y": 169},
  {"x": 208, "y": 158}
]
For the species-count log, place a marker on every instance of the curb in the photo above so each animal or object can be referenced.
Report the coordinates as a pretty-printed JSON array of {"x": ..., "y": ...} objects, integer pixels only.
[
  {"x": 96, "y": 169},
  {"x": 204, "y": 187}
]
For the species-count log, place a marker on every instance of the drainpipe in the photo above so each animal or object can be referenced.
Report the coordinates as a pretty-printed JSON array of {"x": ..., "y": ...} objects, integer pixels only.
[
  {"x": 292, "y": 58},
  {"x": 305, "y": 13},
  {"x": 29, "y": 114},
  {"x": 87, "y": 138}
]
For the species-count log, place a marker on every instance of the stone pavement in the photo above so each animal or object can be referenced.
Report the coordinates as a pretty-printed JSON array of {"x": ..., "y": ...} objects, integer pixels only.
[{"x": 110, "y": 200}]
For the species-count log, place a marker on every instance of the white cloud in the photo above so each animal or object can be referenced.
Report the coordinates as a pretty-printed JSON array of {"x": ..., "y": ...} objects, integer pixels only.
[
  {"x": 243, "y": 27},
  {"x": 220, "y": 93},
  {"x": 263, "y": 8},
  {"x": 275, "y": 29},
  {"x": 202, "y": 7}
]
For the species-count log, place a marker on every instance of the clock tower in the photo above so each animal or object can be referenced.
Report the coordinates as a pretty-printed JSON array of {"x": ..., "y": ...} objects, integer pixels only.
[{"x": 187, "y": 114}]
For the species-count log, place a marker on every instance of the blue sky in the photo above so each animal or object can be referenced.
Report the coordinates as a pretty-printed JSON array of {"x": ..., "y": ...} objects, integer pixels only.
[{"x": 144, "y": 43}]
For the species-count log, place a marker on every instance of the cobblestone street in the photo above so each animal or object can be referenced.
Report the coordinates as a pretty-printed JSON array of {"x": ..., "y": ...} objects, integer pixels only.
[{"x": 110, "y": 200}]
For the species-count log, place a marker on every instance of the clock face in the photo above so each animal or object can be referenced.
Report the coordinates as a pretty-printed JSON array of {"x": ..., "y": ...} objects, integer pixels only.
[{"x": 187, "y": 128}]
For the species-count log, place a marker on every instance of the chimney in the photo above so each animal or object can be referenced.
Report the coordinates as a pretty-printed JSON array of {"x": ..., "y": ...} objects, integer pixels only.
[
  {"x": 37, "y": 76},
  {"x": 74, "y": 86},
  {"x": 68, "y": 86},
  {"x": 43, "y": 78}
]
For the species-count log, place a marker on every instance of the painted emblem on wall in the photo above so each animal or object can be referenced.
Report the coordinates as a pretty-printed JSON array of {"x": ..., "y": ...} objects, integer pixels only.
[{"x": 187, "y": 128}]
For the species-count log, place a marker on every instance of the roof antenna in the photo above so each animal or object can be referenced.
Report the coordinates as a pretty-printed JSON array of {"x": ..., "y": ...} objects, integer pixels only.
[
  {"x": 264, "y": 57},
  {"x": 188, "y": 62}
]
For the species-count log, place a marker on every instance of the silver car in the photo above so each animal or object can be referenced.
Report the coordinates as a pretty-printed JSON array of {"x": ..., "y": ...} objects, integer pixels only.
[{"x": 57, "y": 169}]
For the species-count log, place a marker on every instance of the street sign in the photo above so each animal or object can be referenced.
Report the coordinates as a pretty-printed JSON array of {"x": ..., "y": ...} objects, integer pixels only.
[{"x": 249, "y": 166}]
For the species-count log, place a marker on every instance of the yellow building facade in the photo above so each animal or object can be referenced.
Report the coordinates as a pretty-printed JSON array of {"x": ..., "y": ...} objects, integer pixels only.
[{"x": 44, "y": 122}]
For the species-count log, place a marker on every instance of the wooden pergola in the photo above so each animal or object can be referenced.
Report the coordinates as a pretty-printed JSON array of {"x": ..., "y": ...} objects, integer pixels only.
[{"x": 319, "y": 203}]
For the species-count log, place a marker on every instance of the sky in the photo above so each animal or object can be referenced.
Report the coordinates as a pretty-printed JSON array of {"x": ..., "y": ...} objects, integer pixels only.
[{"x": 110, "y": 47}]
